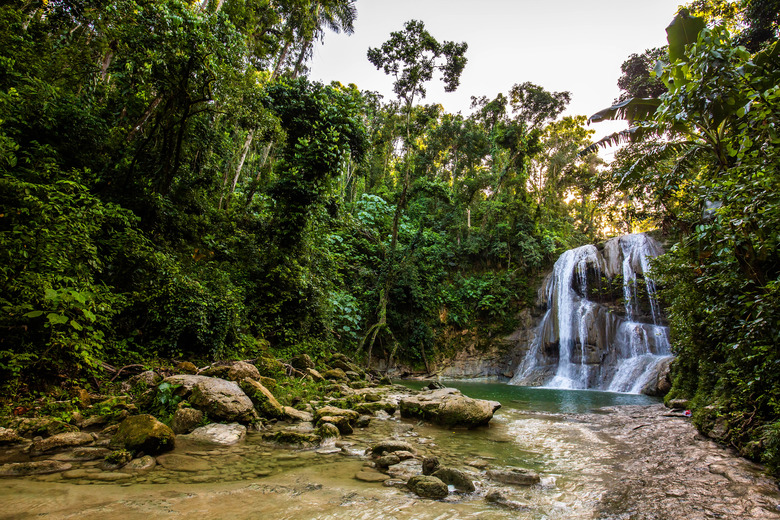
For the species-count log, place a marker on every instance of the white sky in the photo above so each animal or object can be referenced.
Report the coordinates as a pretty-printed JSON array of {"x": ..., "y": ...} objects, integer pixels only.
[{"x": 574, "y": 45}]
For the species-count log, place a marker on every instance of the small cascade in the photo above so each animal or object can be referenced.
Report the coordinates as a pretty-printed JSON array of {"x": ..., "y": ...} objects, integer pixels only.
[{"x": 596, "y": 335}]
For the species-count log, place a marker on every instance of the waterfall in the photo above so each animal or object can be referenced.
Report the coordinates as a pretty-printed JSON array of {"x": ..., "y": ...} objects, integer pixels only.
[{"x": 588, "y": 338}]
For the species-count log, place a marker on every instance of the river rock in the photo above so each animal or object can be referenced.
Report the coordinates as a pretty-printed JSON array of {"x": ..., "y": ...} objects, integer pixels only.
[
  {"x": 40, "y": 467},
  {"x": 455, "y": 477},
  {"x": 293, "y": 414},
  {"x": 328, "y": 430},
  {"x": 448, "y": 407},
  {"x": 82, "y": 454},
  {"x": 332, "y": 411},
  {"x": 263, "y": 399},
  {"x": 186, "y": 419},
  {"x": 140, "y": 464},
  {"x": 9, "y": 436},
  {"x": 427, "y": 487},
  {"x": 390, "y": 446},
  {"x": 62, "y": 440},
  {"x": 143, "y": 433},
  {"x": 386, "y": 461},
  {"x": 371, "y": 475},
  {"x": 373, "y": 407},
  {"x": 222, "y": 400},
  {"x": 499, "y": 497},
  {"x": 176, "y": 462},
  {"x": 405, "y": 469},
  {"x": 340, "y": 421},
  {"x": 514, "y": 476},
  {"x": 293, "y": 437},
  {"x": 216, "y": 433},
  {"x": 429, "y": 465}
]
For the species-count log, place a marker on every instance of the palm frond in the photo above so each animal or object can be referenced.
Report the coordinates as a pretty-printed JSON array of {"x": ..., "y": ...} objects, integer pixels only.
[{"x": 633, "y": 109}]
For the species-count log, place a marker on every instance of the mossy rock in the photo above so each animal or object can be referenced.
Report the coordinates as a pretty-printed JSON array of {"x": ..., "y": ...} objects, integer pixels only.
[
  {"x": 264, "y": 401},
  {"x": 455, "y": 477},
  {"x": 293, "y": 437},
  {"x": 428, "y": 486},
  {"x": 372, "y": 408},
  {"x": 143, "y": 433}
]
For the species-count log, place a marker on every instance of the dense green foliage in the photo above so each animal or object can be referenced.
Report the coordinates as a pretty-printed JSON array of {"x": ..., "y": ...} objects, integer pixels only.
[{"x": 171, "y": 186}]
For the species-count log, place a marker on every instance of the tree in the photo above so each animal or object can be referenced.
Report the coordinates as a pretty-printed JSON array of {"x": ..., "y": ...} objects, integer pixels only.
[{"x": 411, "y": 56}]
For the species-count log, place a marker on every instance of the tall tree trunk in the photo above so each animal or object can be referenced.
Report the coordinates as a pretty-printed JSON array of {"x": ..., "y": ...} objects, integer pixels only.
[
  {"x": 244, "y": 153},
  {"x": 282, "y": 57},
  {"x": 301, "y": 57}
]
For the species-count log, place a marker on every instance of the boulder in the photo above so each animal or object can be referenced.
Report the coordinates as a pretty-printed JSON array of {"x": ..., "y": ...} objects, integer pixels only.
[
  {"x": 363, "y": 421},
  {"x": 216, "y": 433},
  {"x": 455, "y": 477},
  {"x": 293, "y": 414},
  {"x": 263, "y": 399},
  {"x": 327, "y": 430},
  {"x": 514, "y": 476},
  {"x": 314, "y": 374},
  {"x": 427, "y": 487},
  {"x": 185, "y": 367},
  {"x": 386, "y": 461},
  {"x": 40, "y": 467},
  {"x": 339, "y": 421},
  {"x": 448, "y": 407},
  {"x": 185, "y": 420},
  {"x": 241, "y": 370},
  {"x": 62, "y": 440},
  {"x": 148, "y": 378},
  {"x": 335, "y": 374},
  {"x": 333, "y": 411},
  {"x": 222, "y": 400},
  {"x": 391, "y": 446},
  {"x": 302, "y": 362},
  {"x": 498, "y": 497},
  {"x": 143, "y": 433}
]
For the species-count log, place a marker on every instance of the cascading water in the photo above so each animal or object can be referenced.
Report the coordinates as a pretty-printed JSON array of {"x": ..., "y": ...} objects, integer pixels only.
[{"x": 601, "y": 344}]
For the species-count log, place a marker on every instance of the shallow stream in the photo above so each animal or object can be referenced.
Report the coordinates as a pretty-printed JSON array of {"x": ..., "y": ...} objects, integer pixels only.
[{"x": 558, "y": 433}]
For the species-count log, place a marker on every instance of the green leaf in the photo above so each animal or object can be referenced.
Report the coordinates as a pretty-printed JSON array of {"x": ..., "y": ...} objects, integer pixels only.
[
  {"x": 34, "y": 314},
  {"x": 683, "y": 31},
  {"x": 75, "y": 325},
  {"x": 50, "y": 294},
  {"x": 56, "y": 319}
]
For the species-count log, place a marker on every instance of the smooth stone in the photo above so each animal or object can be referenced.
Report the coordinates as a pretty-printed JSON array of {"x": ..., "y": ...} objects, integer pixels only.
[
  {"x": 390, "y": 446},
  {"x": 143, "y": 433},
  {"x": 41, "y": 467},
  {"x": 185, "y": 420},
  {"x": 144, "y": 463},
  {"x": 515, "y": 476},
  {"x": 176, "y": 462},
  {"x": 457, "y": 478},
  {"x": 110, "y": 476},
  {"x": 405, "y": 470},
  {"x": 294, "y": 414},
  {"x": 62, "y": 440},
  {"x": 82, "y": 454},
  {"x": 428, "y": 487},
  {"x": 215, "y": 433},
  {"x": 448, "y": 407},
  {"x": 369, "y": 475}
]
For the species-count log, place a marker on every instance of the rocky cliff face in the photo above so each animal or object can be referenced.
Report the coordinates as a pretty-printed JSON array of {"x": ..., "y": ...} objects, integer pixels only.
[{"x": 603, "y": 328}]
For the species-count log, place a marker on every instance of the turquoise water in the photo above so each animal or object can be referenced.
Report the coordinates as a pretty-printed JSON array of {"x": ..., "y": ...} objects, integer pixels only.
[{"x": 547, "y": 400}]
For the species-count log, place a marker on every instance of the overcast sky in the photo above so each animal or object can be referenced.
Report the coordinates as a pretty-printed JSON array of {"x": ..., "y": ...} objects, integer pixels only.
[{"x": 574, "y": 45}]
